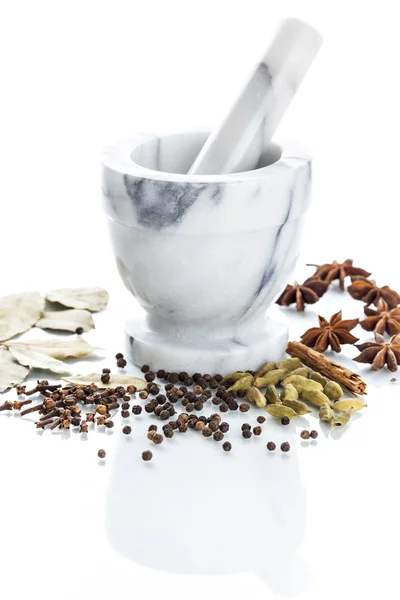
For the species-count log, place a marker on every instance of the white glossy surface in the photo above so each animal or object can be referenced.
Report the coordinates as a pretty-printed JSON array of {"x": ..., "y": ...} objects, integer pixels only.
[
  {"x": 350, "y": 516},
  {"x": 238, "y": 143},
  {"x": 204, "y": 256}
]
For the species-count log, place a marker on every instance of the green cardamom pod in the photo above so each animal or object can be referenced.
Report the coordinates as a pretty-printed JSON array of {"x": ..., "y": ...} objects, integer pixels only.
[
  {"x": 269, "y": 366},
  {"x": 290, "y": 364},
  {"x": 279, "y": 410},
  {"x": 289, "y": 392},
  {"x": 299, "y": 407},
  {"x": 318, "y": 377},
  {"x": 341, "y": 419},
  {"x": 302, "y": 383},
  {"x": 235, "y": 376},
  {"x": 350, "y": 404},
  {"x": 256, "y": 397},
  {"x": 244, "y": 383},
  {"x": 271, "y": 378},
  {"x": 333, "y": 390},
  {"x": 326, "y": 413},
  {"x": 303, "y": 371},
  {"x": 315, "y": 397},
  {"x": 272, "y": 395}
]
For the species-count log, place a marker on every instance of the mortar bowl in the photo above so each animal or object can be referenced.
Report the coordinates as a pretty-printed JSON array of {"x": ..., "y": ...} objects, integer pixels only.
[{"x": 204, "y": 255}]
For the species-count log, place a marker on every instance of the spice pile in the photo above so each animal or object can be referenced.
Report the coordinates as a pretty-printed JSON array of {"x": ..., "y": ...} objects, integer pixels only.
[{"x": 88, "y": 405}]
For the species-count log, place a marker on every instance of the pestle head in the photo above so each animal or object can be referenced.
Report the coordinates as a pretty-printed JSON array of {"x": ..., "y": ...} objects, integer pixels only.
[{"x": 237, "y": 144}]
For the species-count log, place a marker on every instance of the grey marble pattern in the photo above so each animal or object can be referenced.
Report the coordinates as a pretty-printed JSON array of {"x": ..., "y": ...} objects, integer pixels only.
[{"x": 204, "y": 255}]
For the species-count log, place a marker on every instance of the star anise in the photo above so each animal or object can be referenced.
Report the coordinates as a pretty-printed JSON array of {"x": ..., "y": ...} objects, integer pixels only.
[
  {"x": 380, "y": 352},
  {"x": 382, "y": 319},
  {"x": 332, "y": 333},
  {"x": 367, "y": 291},
  {"x": 335, "y": 270},
  {"x": 308, "y": 292}
]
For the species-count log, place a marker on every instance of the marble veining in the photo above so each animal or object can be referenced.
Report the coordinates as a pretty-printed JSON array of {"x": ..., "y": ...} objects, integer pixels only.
[{"x": 205, "y": 256}]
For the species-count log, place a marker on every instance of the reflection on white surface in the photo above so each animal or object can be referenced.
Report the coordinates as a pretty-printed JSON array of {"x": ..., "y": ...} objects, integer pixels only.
[{"x": 195, "y": 509}]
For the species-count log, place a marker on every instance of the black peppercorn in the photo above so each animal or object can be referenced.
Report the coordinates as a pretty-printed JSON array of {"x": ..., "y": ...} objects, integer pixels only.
[
  {"x": 144, "y": 394},
  {"x": 285, "y": 420},
  {"x": 246, "y": 426},
  {"x": 169, "y": 387},
  {"x": 218, "y": 377},
  {"x": 218, "y": 436},
  {"x": 157, "y": 410},
  {"x": 152, "y": 428},
  {"x": 305, "y": 434},
  {"x": 79, "y": 330},
  {"x": 188, "y": 382},
  {"x": 121, "y": 363},
  {"x": 157, "y": 438},
  {"x": 260, "y": 419},
  {"x": 244, "y": 407},
  {"x": 207, "y": 393},
  {"x": 184, "y": 402},
  {"x": 213, "y": 384},
  {"x": 153, "y": 389},
  {"x": 271, "y": 446},
  {"x": 151, "y": 434},
  {"x": 183, "y": 428},
  {"x": 232, "y": 393},
  {"x": 109, "y": 424},
  {"x": 247, "y": 433},
  {"x": 233, "y": 405},
  {"x": 75, "y": 421},
  {"x": 228, "y": 382},
  {"x": 213, "y": 425},
  {"x": 161, "y": 373},
  {"x": 227, "y": 446},
  {"x": 201, "y": 383},
  {"x": 224, "y": 427},
  {"x": 101, "y": 454},
  {"x": 314, "y": 434},
  {"x": 136, "y": 410},
  {"x": 125, "y": 414},
  {"x": 183, "y": 389},
  {"x": 207, "y": 377},
  {"x": 164, "y": 415},
  {"x": 189, "y": 406},
  {"x": 191, "y": 396},
  {"x": 149, "y": 407},
  {"x": 216, "y": 401},
  {"x": 207, "y": 432},
  {"x": 119, "y": 355},
  {"x": 257, "y": 430},
  {"x": 131, "y": 389},
  {"x": 125, "y": 406},
  {"x": 196, "y": 376},
  {"x": 161, "y": 398},
  {"x": 173, "y": 397},
  {"x": 173, "y": 424},
  {"x": 285, "y": 446},
  {"x": 241, "y": 393},
  {"x": 144, "y": 368},
  {"x": 183, "y": 376},
  {"x": 198, "y": 405},
  {"x": 127, "y": 430},
  {"x": 147, "y": 455},
  {"x": 105, "y": 378},
  {"x": 150, "y": 376},
  {"x": 223, "y": 407},
  {"x": 105, "y": 370},
  {"x": 169, "y": 433},
  {"x": 173, "y": 378}
]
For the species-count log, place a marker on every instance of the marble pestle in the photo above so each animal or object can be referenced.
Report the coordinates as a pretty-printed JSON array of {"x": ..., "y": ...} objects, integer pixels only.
[{"x": 238, "y": 143}]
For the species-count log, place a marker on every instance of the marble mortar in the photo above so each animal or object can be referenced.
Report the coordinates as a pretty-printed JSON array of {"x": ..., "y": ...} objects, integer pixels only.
[{"x": 204, "y": 255}]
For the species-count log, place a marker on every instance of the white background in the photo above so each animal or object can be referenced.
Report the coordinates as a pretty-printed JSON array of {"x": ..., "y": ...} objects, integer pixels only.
[{"x": 78, "y": 75}]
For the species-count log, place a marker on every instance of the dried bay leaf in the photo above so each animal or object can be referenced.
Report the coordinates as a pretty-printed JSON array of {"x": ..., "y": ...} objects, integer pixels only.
[
  {"x": 115, "y": 379},
  {"x": 19, "y": 312},
  {"x": 37, "y": 360},
  {"x": 93, "y": 299},
  {"x": 66, "y": 320},
  {"x": 55, "y": 347},
  {"x": 11, "y": 372}
]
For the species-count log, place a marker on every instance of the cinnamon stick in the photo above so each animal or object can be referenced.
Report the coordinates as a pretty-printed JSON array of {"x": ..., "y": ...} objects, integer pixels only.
[{"x": 327, "y": 367}]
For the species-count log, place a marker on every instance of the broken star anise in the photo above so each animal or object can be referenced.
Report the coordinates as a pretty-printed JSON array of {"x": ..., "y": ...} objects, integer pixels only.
[
  {"x": 308, "y": 292},
  {"x": 380, "y": 352},
  {"x": 367, "y": 291},
  {"x": 335, "y": 270},
  {"x": 382, "y": 319},
  {"x": 332, "y": 333}
]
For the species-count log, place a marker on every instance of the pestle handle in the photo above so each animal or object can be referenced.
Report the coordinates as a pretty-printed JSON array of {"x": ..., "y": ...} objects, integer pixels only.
[{"x": 238, "y": 143}]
